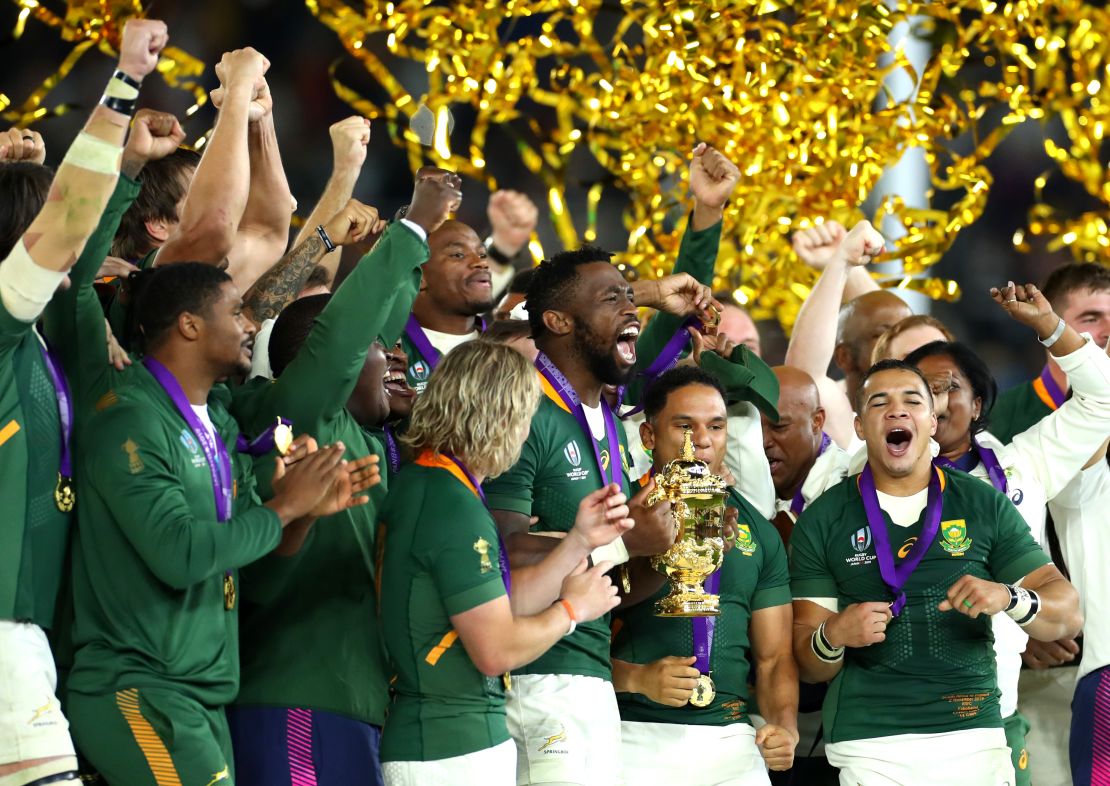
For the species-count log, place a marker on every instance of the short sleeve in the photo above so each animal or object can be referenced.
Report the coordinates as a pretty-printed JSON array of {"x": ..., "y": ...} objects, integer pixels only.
[
  {"x": 512, "y": 490},
  {"x": 1014, "y": 554},
  {"x": 773, "y": 586},
  {"x": 810, "y": 576},
  {"x": 465, "y": 564}
]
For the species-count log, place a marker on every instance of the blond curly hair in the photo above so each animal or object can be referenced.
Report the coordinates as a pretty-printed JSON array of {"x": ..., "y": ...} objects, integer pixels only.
[{"x": 478, "y": 407}]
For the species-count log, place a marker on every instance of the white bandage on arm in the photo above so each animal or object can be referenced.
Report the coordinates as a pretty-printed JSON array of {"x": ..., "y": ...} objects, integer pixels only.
[
  {"x": 25, "y": 287},
  {"x": 93, "y": 154},
  {"x": 615, "y": 552},
  {"x": 829, "y": 604}
]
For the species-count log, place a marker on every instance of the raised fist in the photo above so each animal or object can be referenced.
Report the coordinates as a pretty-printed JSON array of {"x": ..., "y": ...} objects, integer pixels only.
[
  {"x": 512, "y": 218},
  {"x": 143, "y": 40},
  {"x": 353, "y": 223},
  {"x": 712, "y": 176},
  {"x": 862, "y": 244},
  {"x": 437, "y": 194},
  {"x": 242, "y": 66},
  {"x": 818, "y": 245},
  {"x": 154, "y": 135},
  {"x": 349, "y": 138}
]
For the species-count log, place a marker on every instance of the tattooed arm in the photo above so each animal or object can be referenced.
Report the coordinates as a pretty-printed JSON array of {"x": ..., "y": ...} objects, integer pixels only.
[{"x": 278, "y": 287}]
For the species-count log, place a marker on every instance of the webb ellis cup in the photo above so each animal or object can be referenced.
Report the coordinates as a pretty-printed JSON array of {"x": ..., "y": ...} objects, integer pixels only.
[{"x": 697, "y": 498}]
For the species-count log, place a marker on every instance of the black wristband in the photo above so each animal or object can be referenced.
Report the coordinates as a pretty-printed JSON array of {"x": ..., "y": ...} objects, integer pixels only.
[
  {"x": 122, "y": 105},
  {"x": 323, "y": 233},
  {"x": 127, "y": 79},
  {"x": 497, "y": 254}
]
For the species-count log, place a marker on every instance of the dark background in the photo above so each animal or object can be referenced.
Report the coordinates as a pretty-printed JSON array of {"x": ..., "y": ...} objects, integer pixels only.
[{"x": 301, "y": 49}]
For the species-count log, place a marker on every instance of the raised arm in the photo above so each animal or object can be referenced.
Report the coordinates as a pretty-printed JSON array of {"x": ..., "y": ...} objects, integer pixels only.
[
  {"x": 263, "y": 234},
  {"x": 349, "y": 138},
  {"x": 83, "y": 185},
  {"x": 217, "y": 196},
  {"x": 838, "y": 254}
]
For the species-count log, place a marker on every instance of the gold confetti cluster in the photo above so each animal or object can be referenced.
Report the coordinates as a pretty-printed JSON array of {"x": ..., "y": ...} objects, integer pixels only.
[
  {"x": 796, "y": 93},
  {"x": 90, "y": 23}
]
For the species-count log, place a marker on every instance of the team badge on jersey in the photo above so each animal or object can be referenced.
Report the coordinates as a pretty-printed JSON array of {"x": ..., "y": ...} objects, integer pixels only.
[
  {"x": 481, "y": 545},
  {"x": 745, "y": 544},
  {"x": 134, "y": 463},
  {"x": 953, "y": 537},
  {"x": 419, "y": 371}
]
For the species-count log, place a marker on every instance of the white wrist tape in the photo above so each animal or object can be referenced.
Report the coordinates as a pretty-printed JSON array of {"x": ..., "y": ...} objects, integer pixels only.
[
  {"x": 615, "y": 552},
  {"x": 117, "y": 88},
  {"x": 93, "y": 154},
  {"x": 25, "y": 287}
]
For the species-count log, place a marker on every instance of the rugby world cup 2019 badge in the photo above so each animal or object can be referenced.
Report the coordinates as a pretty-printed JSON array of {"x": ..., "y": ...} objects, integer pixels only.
[
  {"x": 419, "y": 371},
  {"x": 745, "y": 544},
  {"x": 573, "y": 454},
  {"x": 953, "y": 537},
  {"x": 861, "y": 543},
  {"x": 190, "y": 443}
]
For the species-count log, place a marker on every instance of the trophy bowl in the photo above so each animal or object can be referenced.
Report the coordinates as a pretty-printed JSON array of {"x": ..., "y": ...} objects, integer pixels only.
[{"x": 697, "y": 498}]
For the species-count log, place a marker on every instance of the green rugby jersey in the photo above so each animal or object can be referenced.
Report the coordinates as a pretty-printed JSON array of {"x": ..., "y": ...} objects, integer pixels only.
[
  {"x": 935, "y": 671},
  {"x": 1019, "y": 409},
  {"x": 150, "y": 555},
  {"x": 754, "y": 576},
  {"x": 35, "y": 533},
  {"x": 555, "y": 471},
  {"x": 309, "y": 629},
  {"x": 440, "y": 559}
]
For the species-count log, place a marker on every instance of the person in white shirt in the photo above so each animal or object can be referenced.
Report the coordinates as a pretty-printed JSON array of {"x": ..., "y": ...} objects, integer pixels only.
[{"x": 1037, "y": 465}]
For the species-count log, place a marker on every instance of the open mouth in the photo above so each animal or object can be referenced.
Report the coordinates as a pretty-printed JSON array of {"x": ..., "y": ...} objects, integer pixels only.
[
  {"x": 898, "y": 441},
  {"x": 396, "y": 384},
  {"x": 774, "y": 464},
  {"x": 626, "y": 343},
  {"x": 480, "y": 280}
]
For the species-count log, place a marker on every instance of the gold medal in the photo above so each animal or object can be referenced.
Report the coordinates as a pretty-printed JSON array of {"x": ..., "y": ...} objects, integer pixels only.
[
  {"x": 64, "y": 495},
  {"x": 712, "y": 321},
  {"x": 507, "y": 679},
  {"x": 704, "y": 692},
  {"x": 229, "y": 592},
  {"x": 626, "y": 581},
  {"x": 283, "y": 438}
]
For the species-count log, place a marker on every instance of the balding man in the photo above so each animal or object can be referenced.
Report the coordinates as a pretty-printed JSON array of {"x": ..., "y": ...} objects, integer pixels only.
[
  {"x": 738, "y": 325},
  {"x": 803, "y": 462},
  {"x": 866, "y": 314}
]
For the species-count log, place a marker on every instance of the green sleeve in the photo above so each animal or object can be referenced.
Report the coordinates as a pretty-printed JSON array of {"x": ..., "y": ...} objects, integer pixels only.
[
  {"x": 1014, "y": 553},
  {"x": 148, "y": 502},
  {"x": 697, "y": 255},
  {"x": 745, "y": 377},
  {"x": 773, "y": 586},
  {"x": 319, "y": 380},
  {"x": 810, "y": 576},
  {"x": 12, "y": 331},
  {"x": 512, "y": 490},
  {"x": 74, "y": 320},
  {"x": 462, "y": 576}
]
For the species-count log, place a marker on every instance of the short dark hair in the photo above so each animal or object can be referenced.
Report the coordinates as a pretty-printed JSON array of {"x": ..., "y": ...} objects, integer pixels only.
[
  {"x": 158, "y": 296},
  {"x": 892, "y": 364},
  {"x": 655, "y": 397},
  {"x": 23, "y": 190},
  {"x": 553, "y": 281},
  {"x": 160, "y": 191},
  {"x": 292, "y": 328},
  {"x": 1074, "y": 277},
  {"x": 520, "y": 282},
  {"x": 971, "y": 366},
  {"x": 503, "y": 331}
]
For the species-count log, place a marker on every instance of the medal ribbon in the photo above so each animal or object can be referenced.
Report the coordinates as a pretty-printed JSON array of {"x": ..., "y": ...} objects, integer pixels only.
[
  {"x": 703, "y": 628},
  {"x": 799, "y": 503},
  {"x": 666, "y": 360},
  {"x": 423, "y": 345},
  {"x": 461, "y": 472},
  {"x": 393, "y": 451},
  {"x": 896, "y": 576},
  {"x": 65, "y": 409},
  {"x": 1048, "y": 391},
  {"x": 219, "y": 462},
  {"x": 567, "y": 398},
  {"x": 260, "y": 445},
  {"x": 971, "y": 459}
]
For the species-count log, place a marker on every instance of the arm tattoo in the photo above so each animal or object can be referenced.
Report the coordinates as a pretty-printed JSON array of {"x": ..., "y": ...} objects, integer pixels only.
[{"x": 279, "y": 285}]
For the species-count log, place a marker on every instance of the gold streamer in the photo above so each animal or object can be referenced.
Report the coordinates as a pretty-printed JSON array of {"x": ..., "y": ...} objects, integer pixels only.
[{"x": 90, "y": 23}]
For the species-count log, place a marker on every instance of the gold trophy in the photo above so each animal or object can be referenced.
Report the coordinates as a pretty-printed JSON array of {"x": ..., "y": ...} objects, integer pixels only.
[{"x": 697, "y": 498}]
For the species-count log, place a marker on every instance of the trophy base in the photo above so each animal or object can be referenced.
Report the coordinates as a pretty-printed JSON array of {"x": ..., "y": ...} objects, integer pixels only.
[{"x": 688, "y": 604}]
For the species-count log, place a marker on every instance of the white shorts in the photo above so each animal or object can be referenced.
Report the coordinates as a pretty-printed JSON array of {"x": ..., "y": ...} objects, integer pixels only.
[
  {"x": 567, "y": 729},
  {"x": 494, "y": 766},
  {"x": 671, "y": 753},
  {"x": 976, "y": 757},
  {"x": 32, "y": 725}
]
